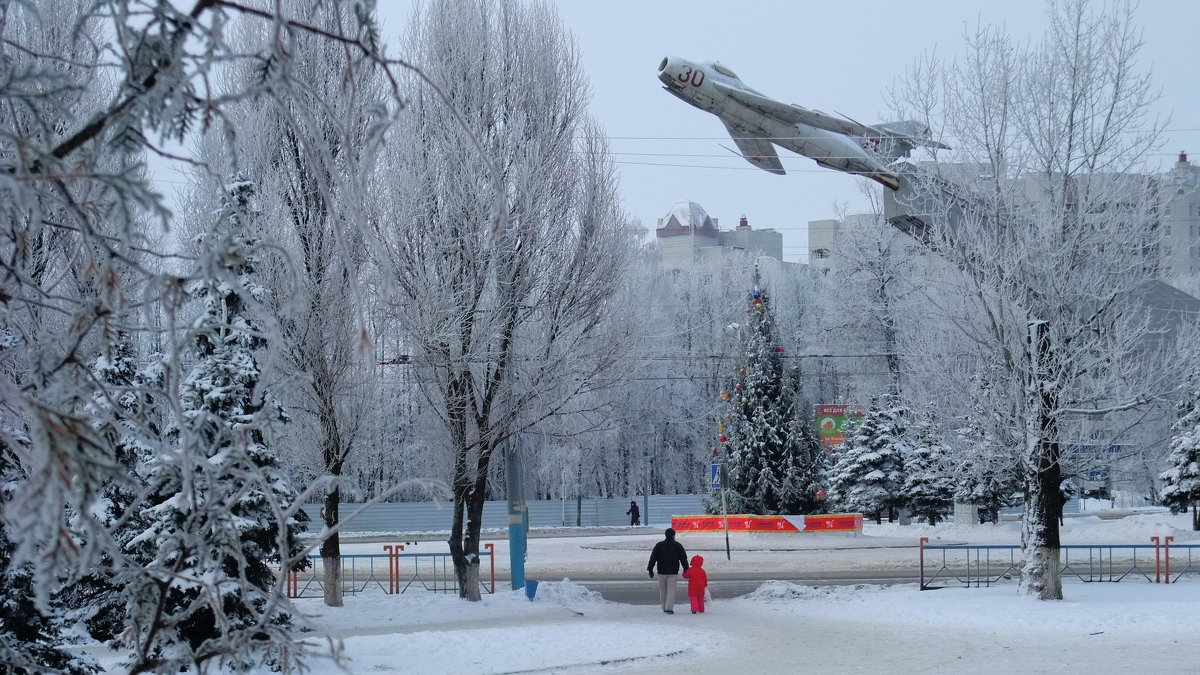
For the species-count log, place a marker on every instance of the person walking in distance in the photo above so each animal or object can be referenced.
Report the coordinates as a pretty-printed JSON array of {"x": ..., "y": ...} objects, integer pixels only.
[
  {"x": 669, "y": 556},
  {"x": 697, "y": 583},
  {"x": 635, "y": 516}
]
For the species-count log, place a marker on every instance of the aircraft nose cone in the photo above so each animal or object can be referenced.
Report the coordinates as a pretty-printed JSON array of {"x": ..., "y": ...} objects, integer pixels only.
[{"x": 666, "y": 70}]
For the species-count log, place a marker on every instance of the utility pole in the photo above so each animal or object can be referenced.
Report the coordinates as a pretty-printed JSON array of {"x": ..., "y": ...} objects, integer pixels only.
[{"x": 513, "y": 478}]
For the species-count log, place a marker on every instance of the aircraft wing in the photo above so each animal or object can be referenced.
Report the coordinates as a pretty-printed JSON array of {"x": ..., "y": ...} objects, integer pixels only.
[
  {"x": 756, "y": 149},
  {"x": 794, "y": 114}
]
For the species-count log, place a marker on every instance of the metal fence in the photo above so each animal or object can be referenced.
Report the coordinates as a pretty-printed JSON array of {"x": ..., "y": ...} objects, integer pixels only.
[
  {"x": 426, "y": 571},
  {"x": 946, "y": 565},
  {"x": 437, "y": 516}
]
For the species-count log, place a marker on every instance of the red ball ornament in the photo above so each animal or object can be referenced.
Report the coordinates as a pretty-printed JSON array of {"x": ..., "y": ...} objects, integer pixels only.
[
  {"x": 721, "y": 438},
  {"x": 779, "y": 349},
  {"x": 739, "y": 387}
]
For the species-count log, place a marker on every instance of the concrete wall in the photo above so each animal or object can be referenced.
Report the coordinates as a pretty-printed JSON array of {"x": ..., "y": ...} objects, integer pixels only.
[{"x": 430, "y": 517}]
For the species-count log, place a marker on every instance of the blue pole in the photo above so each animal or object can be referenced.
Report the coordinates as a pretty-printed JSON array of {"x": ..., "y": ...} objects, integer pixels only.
[
  {"x": 516, "y": 549},
  {"x": 516, "y": 514}
]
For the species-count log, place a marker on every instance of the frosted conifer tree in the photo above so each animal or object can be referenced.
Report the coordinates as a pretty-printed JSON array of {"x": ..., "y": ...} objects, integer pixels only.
[
  {"x": 127, "y": 416},
  {"x": 29, "y": 640},
  {"x": 771, "y": 469},
  {"x": 220, "y": 503},
  {"x": 869, "y": 473},
  {"x": 1182, "y": 480},
  {"x": 806, "y": 470},
  {"x": 928, "y": 483},
  {"x": 988, "y": 476}
]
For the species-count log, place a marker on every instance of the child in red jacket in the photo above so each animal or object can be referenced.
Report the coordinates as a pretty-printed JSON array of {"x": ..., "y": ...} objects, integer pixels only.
[{"x": 697, "y": 583}]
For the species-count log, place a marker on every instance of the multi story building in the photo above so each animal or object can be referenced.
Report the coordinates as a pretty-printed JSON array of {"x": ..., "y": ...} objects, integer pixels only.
[
  {"x": 1180, "y": 222},
  {"x": 689, "y": 237}
]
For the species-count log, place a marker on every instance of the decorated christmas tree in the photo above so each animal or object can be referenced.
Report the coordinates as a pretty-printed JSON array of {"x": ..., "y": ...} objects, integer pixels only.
[{"x": 773, "y": 462}]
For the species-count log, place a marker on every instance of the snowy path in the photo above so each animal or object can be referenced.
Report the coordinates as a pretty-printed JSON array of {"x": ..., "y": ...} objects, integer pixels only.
[
  {"x": 1129, "y": 627},
  {"x": 1101, "y": 628}
]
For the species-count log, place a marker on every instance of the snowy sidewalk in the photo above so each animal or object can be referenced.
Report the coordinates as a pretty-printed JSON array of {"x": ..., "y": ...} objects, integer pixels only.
[{"x": 1100, "y": 628}]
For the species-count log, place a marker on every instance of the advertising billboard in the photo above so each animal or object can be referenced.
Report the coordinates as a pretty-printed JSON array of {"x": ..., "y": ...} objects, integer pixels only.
[{"x": 831, "y": 418}]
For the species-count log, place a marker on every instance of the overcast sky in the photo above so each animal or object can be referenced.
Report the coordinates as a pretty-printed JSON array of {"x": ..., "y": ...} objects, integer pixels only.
[{"x": 832, "y": 56}]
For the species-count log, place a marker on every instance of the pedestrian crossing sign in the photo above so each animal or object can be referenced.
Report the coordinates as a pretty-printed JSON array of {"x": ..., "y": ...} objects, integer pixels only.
[{"x": 714, "y": 476}]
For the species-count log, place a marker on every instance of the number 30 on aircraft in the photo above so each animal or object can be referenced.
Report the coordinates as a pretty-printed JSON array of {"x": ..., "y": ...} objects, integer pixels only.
[{"x": 695, "y": 76}]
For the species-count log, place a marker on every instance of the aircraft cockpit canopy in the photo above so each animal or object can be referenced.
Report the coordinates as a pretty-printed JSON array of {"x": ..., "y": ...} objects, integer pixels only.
[{"x": 725, "y": 71}]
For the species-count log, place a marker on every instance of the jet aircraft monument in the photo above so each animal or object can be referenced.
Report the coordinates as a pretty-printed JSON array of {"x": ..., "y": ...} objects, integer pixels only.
[{"x": 758, "y": 123}]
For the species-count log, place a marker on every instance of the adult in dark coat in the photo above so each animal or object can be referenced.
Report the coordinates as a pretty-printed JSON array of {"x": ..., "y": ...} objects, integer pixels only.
[
  {"x": 635, "y": 516},
  {"x": 669, "y": 557}
]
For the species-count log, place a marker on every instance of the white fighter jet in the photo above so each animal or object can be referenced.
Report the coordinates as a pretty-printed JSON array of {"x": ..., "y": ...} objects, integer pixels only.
[{"x": 758, "y": 123}]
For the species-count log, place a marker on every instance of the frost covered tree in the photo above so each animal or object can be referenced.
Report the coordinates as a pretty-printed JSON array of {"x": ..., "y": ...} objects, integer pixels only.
[
  {"x": 929, "y": 485},
  {"x": 127, "y": 415},
  {"x": 868, "y": 475},
  {"x": 771, "y": 464},
  {"x": 1181, "y": 480},
  {"x": 220, "y": 509},
  {"x": 806, "y": 470},
  {"x": 31, "y": 639},
  {"x": 987, "y": 472},
  {"x": 92, "y": 88},
  {"x": 500, "y": 264},
  {"x": 1045, "y": 210},
  {"x": 877, "y": 274},
  {"x": 305, "y": 148}
]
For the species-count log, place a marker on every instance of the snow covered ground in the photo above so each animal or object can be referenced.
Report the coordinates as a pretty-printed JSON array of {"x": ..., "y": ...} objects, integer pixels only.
[
  {"x": 1132, "y": 626},
  {"x": 1110, "y": 628}
]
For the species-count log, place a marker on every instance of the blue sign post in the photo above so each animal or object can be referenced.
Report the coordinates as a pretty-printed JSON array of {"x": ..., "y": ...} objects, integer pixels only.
[
  {"x": 716, "y": 480},
  {"x": 516, "y": 513}
]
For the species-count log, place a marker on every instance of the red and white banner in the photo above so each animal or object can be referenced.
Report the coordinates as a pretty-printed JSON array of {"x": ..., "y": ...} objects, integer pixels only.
[{"x": 833, "y": 522}]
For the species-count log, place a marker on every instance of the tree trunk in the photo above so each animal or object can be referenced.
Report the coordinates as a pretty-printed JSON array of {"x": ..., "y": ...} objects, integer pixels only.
[
  {"x": 331, "y": 552},
  {"x": 1195, "y": 517},
  {"x": 1041, "y": 573},
  {"x": 464, "y": 539}
]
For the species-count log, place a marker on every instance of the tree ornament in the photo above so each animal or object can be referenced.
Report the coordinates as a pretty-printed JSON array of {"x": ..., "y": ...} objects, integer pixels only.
[{"x": 721, "y": 438}]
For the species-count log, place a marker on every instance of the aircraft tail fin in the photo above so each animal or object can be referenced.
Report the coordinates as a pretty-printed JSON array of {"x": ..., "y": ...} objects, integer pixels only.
[{"x": 898, "y": 138}]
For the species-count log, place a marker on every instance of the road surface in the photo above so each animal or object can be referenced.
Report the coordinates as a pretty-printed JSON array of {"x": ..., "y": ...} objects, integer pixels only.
[{"x": 645, "y": 591}]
